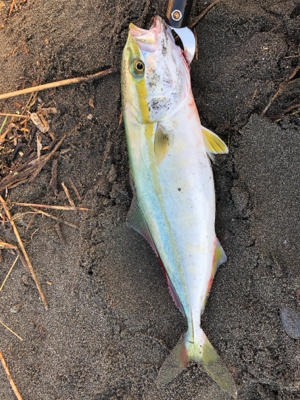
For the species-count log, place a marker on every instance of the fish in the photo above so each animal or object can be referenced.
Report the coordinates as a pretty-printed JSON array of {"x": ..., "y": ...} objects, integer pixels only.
[{"x": 173, "y": 206}]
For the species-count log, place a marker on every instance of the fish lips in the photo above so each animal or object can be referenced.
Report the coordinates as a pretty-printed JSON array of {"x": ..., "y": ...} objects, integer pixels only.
[{"x": 148, "y": 40}]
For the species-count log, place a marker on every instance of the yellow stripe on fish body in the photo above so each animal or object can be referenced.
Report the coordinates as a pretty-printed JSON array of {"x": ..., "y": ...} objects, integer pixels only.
[{"x": 139, "y": 84}]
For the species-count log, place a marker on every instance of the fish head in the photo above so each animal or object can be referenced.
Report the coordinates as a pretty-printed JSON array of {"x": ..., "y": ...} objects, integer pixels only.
[{"x": 155, "y": 73}]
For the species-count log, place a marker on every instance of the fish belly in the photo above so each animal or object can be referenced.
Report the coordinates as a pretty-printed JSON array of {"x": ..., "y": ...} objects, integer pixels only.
[
  {"x": 178, "y": 202},
  {"x": 189, "y": 205}
]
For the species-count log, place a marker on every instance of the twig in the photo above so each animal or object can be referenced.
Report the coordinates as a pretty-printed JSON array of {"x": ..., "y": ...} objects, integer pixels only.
[
  {"x": 39, "y": 168},
  {"x": 282, "y": 86},
  {"x": 11, "y": 7},
  {"x": 65, "y": 208},
  {"x": 53, "y": 181},
  {"x": 75, "y": 189},
  {"x": 69, "y": 197},
  {"x": 10, "y": 330},
  {"x": 7, "y": 212},
  {"x": 30, "y": 222},
  {"x": 56, "y": 84},
  {"x": 15, "y": 115},
  {"x": 7, "y": 246},
  {"x": 53, "y": 217},
  {"x": 12, "y": 383},
  {"x": 59, "y": 233},
  {"x": 24, "y": 262},
  {"x": 291, "y": 108},
  {"x": 32, "y": 168},
  {"x": 204, "y": 13},
  {"x": 11, "y": 268},
  {"x": 297, "y": 56}
]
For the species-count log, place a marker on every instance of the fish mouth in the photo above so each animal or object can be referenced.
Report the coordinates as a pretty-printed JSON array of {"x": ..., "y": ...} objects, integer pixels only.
[{"x": 146, "y": 38}]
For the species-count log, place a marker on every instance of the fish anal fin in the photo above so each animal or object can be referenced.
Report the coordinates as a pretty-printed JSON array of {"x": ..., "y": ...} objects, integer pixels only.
[
  {"x": 162, "y": 142},
  {"x": 219, "y": 258},
  {"x": 213, "y": 144},
  {"x": 137, "y": 221},
  {"x": 171, "y": 288}
]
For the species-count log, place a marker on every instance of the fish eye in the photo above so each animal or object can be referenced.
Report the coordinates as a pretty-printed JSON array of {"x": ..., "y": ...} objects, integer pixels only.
[{"x": 138, "y": 67}]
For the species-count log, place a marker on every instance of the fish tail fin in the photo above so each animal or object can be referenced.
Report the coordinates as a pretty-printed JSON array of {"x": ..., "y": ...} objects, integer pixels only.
[{"x": 199, "y": 350}]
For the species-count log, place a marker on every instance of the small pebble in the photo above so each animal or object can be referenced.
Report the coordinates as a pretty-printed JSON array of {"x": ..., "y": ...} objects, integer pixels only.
[{"x": 291, "y": 322}]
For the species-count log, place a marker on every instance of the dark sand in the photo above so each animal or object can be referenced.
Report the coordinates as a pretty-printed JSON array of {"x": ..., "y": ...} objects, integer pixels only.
[{"x": 111, "y": 321}]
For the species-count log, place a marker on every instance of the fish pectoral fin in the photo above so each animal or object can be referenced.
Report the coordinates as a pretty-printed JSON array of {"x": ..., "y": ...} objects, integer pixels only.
[
  {"x": 136, "y": 220},
  {"x": 213, "y": 144},
  {"x": 200, "y": 351},
  {"x": 162, "y": 142}
]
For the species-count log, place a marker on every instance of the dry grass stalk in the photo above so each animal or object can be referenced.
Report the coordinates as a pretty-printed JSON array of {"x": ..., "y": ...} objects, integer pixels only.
[
  {"x": 204, "y": 13},
  {"x": 7, "y": 212},
  {"x": 64, "y": 208},
  {"x": 12, "y": 383},
  {"x": 56, "y": 84},
  {"x": 10, "y": 330},
  {"x": 75, "y": 189},
  {"x": 57, "y": 219},
  {"x": 69, "y": 197},
  {"x": 15, "y": 115},
  {"x": 282, "y": 86},
  {"x": 11, "y": 268}
]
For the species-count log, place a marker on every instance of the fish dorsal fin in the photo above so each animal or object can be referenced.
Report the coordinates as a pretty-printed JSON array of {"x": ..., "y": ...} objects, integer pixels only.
[
  {"x": 213, "y": 144},
  {"x": 162, "y": 142},
  {"x": 137, "y": 221}
]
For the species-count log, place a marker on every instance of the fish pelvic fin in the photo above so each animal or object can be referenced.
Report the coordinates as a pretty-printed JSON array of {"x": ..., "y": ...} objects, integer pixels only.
[
  {"x": 213, "y": 144},
  {"x": 200, "y": 351}
]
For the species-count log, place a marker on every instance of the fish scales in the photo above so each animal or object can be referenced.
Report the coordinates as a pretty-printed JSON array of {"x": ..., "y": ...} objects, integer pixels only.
[{"x": 174, "y": 206}]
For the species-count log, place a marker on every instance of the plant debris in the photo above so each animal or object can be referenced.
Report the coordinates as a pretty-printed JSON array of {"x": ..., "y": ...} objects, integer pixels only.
[
  {"x": 53, "y": 181},
  {"x": 7, "y": 212},
  {"x": 64, "y": 208},
  {"x": 69, "y": 197},
  {"x": 11, "y": 268},
  {"x": 12, "y": 383},
  {"x": 10, "y": 330},
  {"x": 59, "y": 233},
  {"x": 56, "y": 84}
]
